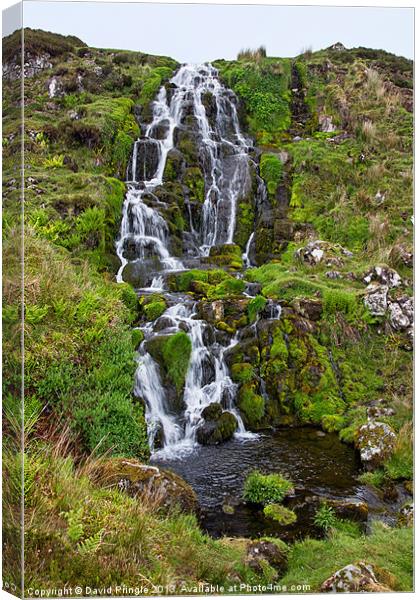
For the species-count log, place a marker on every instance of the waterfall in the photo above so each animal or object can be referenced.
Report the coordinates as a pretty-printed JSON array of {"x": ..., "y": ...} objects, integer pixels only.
[
  {"x": 141, "y": 225},
  {"x": 197, "y": 102},
  {"x": 207, "y": 381},
  {"x": 223, "y": 148},
  {"x": 224, "y": 159},
  {"x": 245, "y": 256}
]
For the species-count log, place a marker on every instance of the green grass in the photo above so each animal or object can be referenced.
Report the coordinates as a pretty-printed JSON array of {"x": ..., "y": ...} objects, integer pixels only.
[
  {"x": 313, "y": 561},
  {"x": 78, "y": 533}
]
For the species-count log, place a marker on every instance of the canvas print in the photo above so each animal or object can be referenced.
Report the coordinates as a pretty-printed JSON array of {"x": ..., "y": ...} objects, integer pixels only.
[{"x": 207, "y": 299}]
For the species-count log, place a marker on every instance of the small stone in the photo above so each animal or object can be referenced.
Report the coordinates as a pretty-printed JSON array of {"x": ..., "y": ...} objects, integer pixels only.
[
  {"x": 397, "y": 318},
  {"x": 333, "y": 275}
]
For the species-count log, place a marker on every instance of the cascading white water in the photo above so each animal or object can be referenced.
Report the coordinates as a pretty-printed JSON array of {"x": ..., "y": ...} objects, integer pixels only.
[
  {"x": 245, "y": 255},
  {"x": 144, "y": 234},
  {"x": 223, "y": 148},
  {"x": 225, "y": 163},
  {"x": 141, "y": 224},
  {"x": 180, "y": 436}
]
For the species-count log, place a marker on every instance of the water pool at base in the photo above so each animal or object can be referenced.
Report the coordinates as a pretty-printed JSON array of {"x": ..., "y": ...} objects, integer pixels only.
[{"x": 319, "y": 465}]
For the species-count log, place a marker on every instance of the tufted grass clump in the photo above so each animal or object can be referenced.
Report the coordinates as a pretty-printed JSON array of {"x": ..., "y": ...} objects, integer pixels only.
[
  {"x": 266, "y": 489},
  {"x": 325, "y": 517},
  {"x": 255, "y": 306}
]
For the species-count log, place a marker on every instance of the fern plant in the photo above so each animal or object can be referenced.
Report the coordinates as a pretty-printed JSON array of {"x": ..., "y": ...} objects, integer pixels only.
[
  {"x": 75, "y": 527},
  {"x": 91, "y": 544}
]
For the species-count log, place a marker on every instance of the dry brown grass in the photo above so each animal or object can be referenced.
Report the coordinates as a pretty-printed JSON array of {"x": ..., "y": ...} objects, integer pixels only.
[{"x": 250, "y": 54}]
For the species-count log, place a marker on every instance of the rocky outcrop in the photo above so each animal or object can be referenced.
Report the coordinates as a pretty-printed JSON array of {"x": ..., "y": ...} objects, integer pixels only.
[
  {"x": 376, "y": 299},
  {"x": 166, "y": 488},
  {"x": 319, "y": 251},
  {"x": 358, "y": 577},
  {"x": 384, "y": 276},
  {"x": 399, "y": 309},
  {"x": 32, "y": 66}
]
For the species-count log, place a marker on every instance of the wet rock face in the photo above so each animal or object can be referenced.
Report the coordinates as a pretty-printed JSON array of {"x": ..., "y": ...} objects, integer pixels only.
[
  {"x": 260, "y": 552},
  {"x": 358, "y": 577},
  {"x": 376, "y": 442},
  {"x": 148, "y": 154},
  {"x": 136, "y": 479}
]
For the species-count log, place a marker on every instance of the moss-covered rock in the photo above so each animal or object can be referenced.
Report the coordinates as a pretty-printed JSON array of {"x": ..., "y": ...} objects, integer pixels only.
[
  {"x": 376, "y": 442},
  {"x": 280, "y": 514},
  {"x": 139, "y": 480},
  {"x": 227, "y": 255},
  {"x": 251, "y": 405},
  {"x": 219, "y": 425}
]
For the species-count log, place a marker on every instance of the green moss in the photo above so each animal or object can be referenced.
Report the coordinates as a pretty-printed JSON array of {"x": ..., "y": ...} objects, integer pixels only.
[
  {"x": 255, "y": 306},
  {"x": 266, "y": 489},
  {"x": 137, "y": 336},
  {"x": 242, "y": 372},
  {"x": 271, "y": 168},
  {"x": 251, "y": 405},
  {"x": 280, "y": 514},
  {"x": 331, "y": 423},
  {"x": 153, "y": 310},
  {"x": 264, "y": 88},
  {"x": 152, "y": 82},
  {"x": 176, "y": 353},
  {"x": 193, "y": 179}
]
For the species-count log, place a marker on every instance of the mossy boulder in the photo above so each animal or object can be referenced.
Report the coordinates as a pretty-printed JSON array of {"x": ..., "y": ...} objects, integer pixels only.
[
  {"x": 219, "y": 425},
  {"x": 280, "y": 514},
  {"x": 138, "y": 480},
  {"x": 227, "y": 255},
  {"x": 376, "y": 442},
  {"x": 172, "y": 353},
  {"x": 357, "y": 577},
  {"x": 152, "y": 306}
]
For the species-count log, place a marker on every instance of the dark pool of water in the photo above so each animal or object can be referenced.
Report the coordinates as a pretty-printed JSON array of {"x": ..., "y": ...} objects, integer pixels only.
[{"x": 318, "y": 464}]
